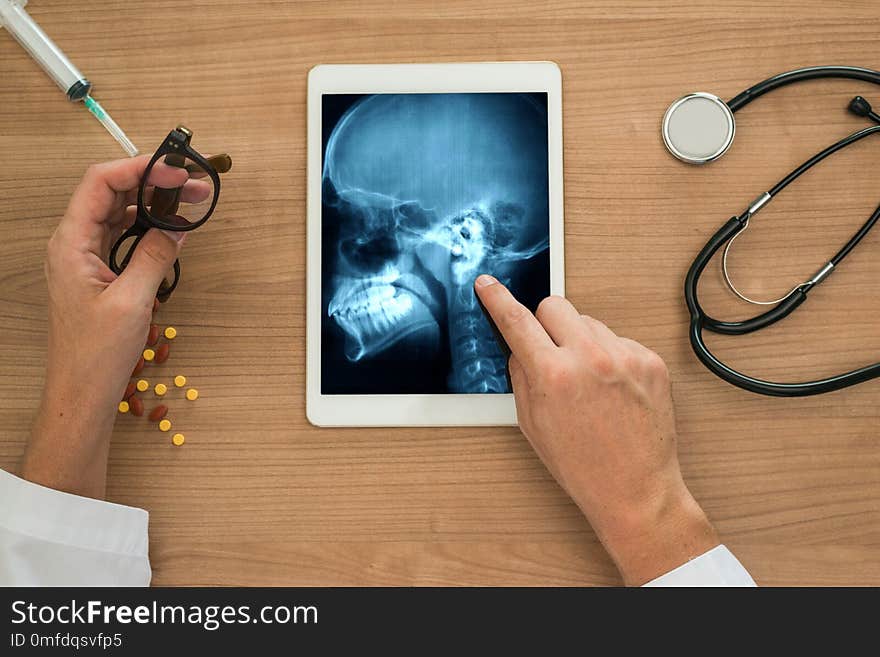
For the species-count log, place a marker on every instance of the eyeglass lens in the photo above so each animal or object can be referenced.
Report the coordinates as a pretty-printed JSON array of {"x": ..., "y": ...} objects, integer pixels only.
[{"x": 178, "y": 192}]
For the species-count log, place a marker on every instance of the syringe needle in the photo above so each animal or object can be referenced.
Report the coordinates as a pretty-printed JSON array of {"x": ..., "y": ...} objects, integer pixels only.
[
  {"x": 100, "y": 114},
  {"x": 48, "y": 55}
]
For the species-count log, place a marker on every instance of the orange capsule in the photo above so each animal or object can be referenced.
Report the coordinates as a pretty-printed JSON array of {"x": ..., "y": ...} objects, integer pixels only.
[
  {"x": 158, "y": 413},
  {"x": 153, "y": 335},
  {"x": 138, "y": 367},
  {"x": 162, "y": 352},
  {"x": 136, "y": 405},
  {"x": 129, "y": 391}
]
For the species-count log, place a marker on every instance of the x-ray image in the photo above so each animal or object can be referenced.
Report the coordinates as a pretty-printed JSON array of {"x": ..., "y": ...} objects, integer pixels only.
[{"x": 421, "y": 194}]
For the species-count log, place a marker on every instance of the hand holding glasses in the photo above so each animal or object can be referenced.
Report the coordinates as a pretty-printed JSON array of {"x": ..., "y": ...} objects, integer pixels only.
[{"x": 178, "y": 192}]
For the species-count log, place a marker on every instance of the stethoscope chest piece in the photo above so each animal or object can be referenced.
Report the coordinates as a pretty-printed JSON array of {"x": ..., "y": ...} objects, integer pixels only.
[{"x": 698, "y": 128}]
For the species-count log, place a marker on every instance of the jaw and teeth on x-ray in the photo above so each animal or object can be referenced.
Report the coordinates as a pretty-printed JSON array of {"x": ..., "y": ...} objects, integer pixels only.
[{"x": 433, "y": 190}]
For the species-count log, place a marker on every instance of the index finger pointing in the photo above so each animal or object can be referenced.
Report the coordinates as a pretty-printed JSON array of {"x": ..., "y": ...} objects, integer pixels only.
[{"x": 523, "y": 333}]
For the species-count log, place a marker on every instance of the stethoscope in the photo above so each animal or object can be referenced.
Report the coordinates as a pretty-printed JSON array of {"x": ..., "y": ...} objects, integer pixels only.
[{"x": 699, "y": 128}]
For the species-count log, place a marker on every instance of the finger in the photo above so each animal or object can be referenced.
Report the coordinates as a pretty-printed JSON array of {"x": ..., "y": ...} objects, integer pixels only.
[
  {"x": 561, "y": 320},
  {"x": 167, "y": 175},
  {"x": 631, "y": 345},
  {"x": 523, "y": 333},
  {"x": 116, "y": 230},
  {"x": 598, "y": 331},
  {"x": 196, "y": 191},
  {"x": 193, "y": 191},
  {"x": 149, "y": 264},
  {"x": 99, "y": 199},
  {"x": 521, "y": 397},
  {"x": 520, "y": 392},
  {"x": 651, "y": 371}
]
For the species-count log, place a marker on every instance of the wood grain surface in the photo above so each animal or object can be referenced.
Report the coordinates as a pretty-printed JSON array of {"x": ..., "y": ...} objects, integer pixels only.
[{"x": 257, "y": 495}]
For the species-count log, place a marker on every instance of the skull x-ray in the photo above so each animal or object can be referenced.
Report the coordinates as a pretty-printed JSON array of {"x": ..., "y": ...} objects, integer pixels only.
[{"x": 421, "y": 193}]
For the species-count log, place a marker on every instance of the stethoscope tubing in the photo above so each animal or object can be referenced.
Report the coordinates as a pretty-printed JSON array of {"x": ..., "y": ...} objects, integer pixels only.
[
  {"x": 800, "y": 75},
  {"x": 700, "y": 321}
]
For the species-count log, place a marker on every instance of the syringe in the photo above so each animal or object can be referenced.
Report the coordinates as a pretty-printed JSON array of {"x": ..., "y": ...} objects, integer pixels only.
[{"x": 48, "y": 55}]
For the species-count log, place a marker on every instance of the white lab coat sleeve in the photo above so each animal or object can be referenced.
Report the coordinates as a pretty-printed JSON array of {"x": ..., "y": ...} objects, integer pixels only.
[
  {"x": 50, "y": 538},
  {"x": 717, "y": 567}
]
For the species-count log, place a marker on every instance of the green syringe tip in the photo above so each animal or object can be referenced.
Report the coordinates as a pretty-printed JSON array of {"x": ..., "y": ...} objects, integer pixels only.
[
  {"x": 94, "y": 107},
  {"x": 99, "y": 113}
]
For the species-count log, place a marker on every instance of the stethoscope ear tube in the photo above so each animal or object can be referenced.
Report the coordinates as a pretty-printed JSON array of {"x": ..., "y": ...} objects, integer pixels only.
[{"x": 700, "y": 321}]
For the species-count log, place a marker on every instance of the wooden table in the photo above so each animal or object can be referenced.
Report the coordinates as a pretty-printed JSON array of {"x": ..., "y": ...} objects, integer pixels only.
[{"x": 257, "y": 495}]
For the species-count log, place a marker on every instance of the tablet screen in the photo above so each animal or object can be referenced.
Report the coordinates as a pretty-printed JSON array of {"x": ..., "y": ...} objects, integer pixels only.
[{"x": 421, "y": 193}]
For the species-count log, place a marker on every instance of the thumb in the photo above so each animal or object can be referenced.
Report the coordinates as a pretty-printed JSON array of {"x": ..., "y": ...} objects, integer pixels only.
[{"x": 153, "y": 257}]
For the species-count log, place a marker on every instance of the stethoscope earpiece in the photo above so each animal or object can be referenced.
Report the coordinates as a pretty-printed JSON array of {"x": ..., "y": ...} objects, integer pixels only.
[
  {"x": 861, "y": 107},
  {"x": 698, "y": 128}
]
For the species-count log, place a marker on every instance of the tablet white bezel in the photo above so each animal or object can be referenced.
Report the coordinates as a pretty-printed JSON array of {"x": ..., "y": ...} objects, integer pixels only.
[{"x": 419, "y": 410}]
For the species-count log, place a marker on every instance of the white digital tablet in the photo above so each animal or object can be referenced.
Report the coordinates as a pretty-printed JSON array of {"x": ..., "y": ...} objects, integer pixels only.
[{"x": 420, "y": 178}]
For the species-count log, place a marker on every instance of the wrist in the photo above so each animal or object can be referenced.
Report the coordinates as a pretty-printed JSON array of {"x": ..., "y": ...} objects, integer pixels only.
[
  {"x": 70, "y": 441},
  {"x": 665, "y": 532}
]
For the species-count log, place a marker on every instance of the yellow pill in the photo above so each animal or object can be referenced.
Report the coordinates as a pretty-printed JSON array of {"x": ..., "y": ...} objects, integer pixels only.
[
  {"x": 178, "y": 439},
  {"x": 149, "y": 354},
  {"x": 180, "y": 380},
  {"x": 170, "y": 332},
  {"x": 192, "y": 394},
  {"x": 143, "y": 385},
  {"x": 164, "y": 425},
  {"x": 123, "y": 407},
  {"x": 161, "y": 389}
]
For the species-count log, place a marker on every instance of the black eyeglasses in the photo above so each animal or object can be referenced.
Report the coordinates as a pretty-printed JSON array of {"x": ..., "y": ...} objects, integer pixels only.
[{"x": 169, "y": 200}]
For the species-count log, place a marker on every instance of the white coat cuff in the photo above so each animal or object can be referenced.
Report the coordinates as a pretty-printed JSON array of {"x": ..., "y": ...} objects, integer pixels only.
[
  {"x": 50, "y": 515},
  {"x": 717, "y": 567}
]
